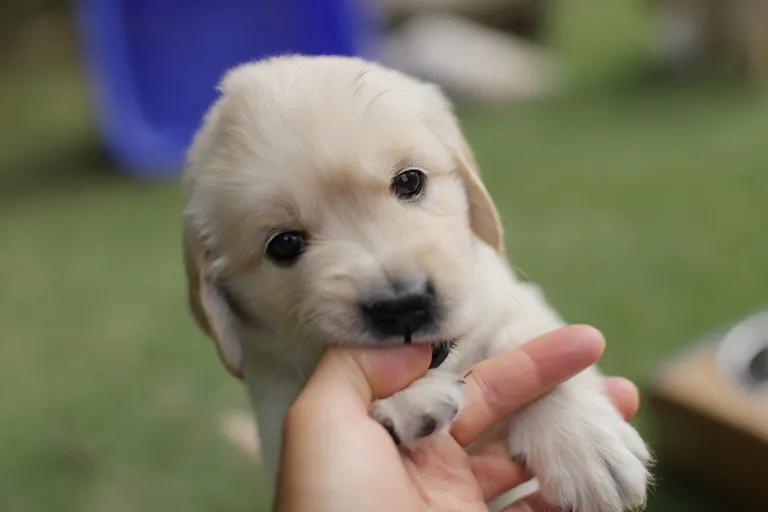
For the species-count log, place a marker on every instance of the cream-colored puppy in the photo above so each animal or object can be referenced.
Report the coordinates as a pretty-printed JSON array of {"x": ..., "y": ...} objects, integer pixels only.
[{"x": 330, "y": 200}]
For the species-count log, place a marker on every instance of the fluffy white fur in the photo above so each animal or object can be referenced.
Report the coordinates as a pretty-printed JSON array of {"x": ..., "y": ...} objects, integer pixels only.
[{"x": 312, "y": 144}]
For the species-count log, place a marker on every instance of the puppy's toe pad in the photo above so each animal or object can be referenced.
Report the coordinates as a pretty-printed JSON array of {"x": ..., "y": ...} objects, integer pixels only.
[{"x": 427, "y": 406}]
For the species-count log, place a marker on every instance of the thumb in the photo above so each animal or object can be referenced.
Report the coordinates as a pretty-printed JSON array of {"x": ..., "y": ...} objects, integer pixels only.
[
  {"x": 364, "y": 374},
  {"x": 326, "y": 432}
]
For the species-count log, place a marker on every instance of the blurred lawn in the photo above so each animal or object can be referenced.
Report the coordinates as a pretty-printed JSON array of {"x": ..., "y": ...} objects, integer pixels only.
[{"x": 639, "y": 206}]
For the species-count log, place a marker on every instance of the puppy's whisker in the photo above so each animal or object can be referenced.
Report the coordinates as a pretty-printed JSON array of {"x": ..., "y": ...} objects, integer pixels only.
[
  {"x": 513, "y": 296},
  {"x": 296, "y": 334},
  {"x": 359, "y": 81},
  {"x": 303, "y": 324},
  {"x": 302, "y": 321},
  {"x": 374, "y": 99},
  {"x": 522, "y": 273}
]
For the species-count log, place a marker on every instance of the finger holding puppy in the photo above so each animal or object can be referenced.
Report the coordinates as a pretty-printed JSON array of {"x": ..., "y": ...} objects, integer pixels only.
[
  {"x": 329, "y": 440},
  {"x": 499, "y": 386},
  {"x": 497, "y": 472}
]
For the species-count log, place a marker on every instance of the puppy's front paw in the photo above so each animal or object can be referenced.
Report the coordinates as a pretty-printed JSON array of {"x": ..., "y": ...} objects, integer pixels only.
[
  {"x": 587, "y": 460},
  {"x": 428, "y": 405}
]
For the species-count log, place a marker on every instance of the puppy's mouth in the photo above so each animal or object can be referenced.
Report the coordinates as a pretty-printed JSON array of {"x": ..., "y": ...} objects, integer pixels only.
[
  {"x": 440, "y": 352},
  {"x": 440, "y": 349}
]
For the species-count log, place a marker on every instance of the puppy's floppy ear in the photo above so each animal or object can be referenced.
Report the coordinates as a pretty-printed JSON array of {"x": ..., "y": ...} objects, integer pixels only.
[
  {"x": 209, "y": 303},
  {"x": 483, "y": 215}
]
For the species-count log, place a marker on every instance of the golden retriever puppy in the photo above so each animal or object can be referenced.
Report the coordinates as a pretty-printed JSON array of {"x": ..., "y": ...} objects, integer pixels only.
[{"x": 330, "y": 200}]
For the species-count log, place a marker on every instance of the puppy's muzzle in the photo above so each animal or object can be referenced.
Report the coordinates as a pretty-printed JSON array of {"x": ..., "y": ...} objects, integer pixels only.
[{"x": 401, "y": 315}]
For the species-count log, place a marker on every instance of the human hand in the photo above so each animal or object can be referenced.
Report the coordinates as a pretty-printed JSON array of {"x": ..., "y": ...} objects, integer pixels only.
[{"x": 335, "y": 457}]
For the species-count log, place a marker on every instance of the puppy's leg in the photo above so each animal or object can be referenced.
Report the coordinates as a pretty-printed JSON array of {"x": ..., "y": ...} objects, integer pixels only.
[
  {"x": 427, "y": 405},
  {"x": 585, "y": 456}
]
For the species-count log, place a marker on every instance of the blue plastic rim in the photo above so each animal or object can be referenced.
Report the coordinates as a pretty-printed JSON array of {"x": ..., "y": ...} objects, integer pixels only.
[{"x": 153, "y": 64}]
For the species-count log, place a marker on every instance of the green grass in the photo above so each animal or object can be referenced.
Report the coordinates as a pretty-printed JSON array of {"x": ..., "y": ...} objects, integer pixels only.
[
  {"x": 638, "y": 205},
  {"x": 109, "y": 393}
]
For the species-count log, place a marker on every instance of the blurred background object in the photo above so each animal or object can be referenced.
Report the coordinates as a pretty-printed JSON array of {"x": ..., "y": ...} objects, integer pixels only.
[
  {"x": 634, "y": 194},
  {"x": 743, "y": 355},
  {"x": 471, "y": 61},
  {"x": 484, "y": 50},
  {"x": 702, "y": 33},
  {"x": 712, "y": 410},
  {"x": 527, "y": 18},
  {"x": 153, "y": 65}
]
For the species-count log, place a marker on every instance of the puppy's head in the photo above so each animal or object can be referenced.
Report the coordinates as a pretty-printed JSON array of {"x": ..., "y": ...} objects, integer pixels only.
[{"x": 330, "y": 200}]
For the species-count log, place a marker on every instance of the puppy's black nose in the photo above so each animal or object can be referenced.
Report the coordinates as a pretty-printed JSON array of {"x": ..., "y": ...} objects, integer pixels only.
[{"x": 400, "y": 315}]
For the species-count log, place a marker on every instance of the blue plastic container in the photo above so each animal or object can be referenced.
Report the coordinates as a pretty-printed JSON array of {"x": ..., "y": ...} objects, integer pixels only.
[{"x": 153, "y": 64}]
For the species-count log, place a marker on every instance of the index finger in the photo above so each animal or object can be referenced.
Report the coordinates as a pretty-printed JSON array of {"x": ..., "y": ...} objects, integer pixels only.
[{"x": 499, "y": 386}]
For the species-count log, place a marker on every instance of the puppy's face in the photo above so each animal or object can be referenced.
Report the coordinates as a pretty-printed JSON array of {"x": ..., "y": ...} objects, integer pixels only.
[{"x": 328, "y": 202}]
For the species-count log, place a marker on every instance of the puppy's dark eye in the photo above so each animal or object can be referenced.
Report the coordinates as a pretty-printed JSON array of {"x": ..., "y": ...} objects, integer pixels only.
[
  {"x": 286, "y": 247},
  {"x": 408, "y": 184}
]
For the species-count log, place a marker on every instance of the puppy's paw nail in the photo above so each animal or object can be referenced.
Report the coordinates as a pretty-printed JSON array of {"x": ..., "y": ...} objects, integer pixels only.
[
  {"x": 428, "y": 426},
  {"x": 390, "y": 428},
  {"x": 518, "y": 457}
]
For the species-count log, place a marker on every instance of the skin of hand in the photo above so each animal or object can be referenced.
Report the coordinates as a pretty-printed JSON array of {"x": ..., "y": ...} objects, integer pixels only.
[{"x": 336, "y": 458}]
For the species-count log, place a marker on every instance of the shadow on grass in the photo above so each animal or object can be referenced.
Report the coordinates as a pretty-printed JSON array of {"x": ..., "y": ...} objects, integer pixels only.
[
  {"x": 673, "y": 493},
  {"x": 62, "y": 169}
]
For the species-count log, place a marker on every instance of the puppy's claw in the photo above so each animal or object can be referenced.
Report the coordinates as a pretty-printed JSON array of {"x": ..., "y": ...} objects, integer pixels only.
[
  {"x": 428, "y": 426},
  {"x": 390, "y": 428}
]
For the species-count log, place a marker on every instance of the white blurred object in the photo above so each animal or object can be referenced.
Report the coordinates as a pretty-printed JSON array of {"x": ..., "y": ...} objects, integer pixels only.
[
  {"x": 470, "y": 60},
  {"x": 463, "y": 6},
  {"x": 743, "y": 353},
  {"x": 509, "y": 498},
  {"x": 681, "y": 40},
  {"x": 240, "y": 429}
]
